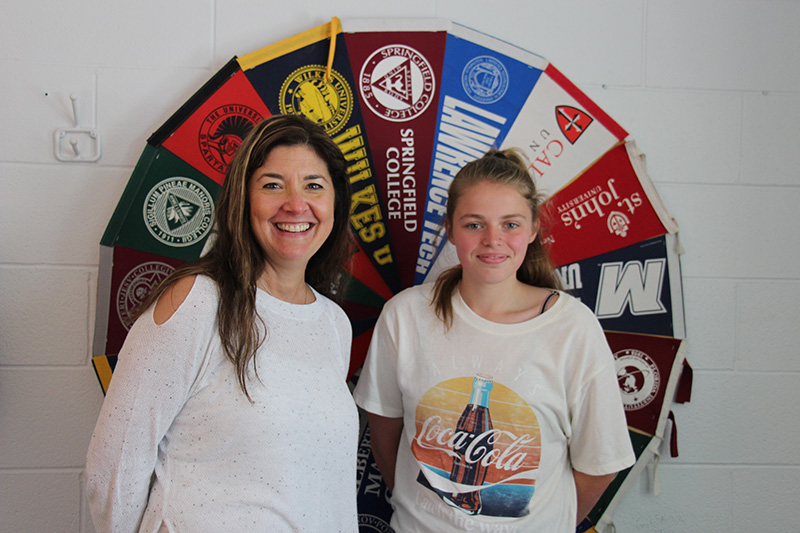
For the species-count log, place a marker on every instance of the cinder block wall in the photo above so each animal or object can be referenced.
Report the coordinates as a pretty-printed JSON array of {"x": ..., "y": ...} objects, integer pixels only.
[{"x": 710, "y": 90}]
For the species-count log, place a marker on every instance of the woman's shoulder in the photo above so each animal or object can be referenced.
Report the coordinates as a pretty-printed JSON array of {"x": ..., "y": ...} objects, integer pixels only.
[
  {"x": 329, "y": 305},
  {"x": 194, "y": 287}
]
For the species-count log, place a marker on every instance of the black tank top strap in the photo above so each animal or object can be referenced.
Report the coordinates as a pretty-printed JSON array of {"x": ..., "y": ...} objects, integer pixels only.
[{"x": 547, "y": 300}]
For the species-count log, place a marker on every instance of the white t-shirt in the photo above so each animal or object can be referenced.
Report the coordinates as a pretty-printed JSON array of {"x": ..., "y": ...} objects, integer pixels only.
[
  {"x": 179, "y": 446},
  {"x": 553, "y": 403}
]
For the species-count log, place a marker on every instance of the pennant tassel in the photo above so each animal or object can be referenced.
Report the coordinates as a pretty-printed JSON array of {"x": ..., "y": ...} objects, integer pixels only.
[
  {"x": 335, "y": 28},
  {"x": 673, "y": 437},
  {"x": 684, "y": 391}
]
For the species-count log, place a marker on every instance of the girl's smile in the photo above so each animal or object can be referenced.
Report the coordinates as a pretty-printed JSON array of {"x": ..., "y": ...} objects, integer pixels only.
[{"x": 491, "y": 230}]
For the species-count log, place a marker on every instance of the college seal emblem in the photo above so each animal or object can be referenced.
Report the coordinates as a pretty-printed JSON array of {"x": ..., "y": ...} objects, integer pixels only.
[
  {"x": 397, "y": 83},
  {"x": 638, "y": 378},
  {"x": 328, "y": 103},
  {"x": 178, "y": 212},
  {"x": 222, "y": 133},
  {"x": 136, "y": 286},
  {"x": 368, "y": 522},
  {"x": 485, "y": 79}
]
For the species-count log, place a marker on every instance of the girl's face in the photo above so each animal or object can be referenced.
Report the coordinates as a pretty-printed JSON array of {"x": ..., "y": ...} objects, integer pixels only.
[{"x": 491, "y": 229}]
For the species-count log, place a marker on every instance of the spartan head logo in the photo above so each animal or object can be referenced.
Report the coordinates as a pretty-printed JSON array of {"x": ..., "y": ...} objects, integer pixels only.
[
  {"x": 572, "y": 121},
  {"x": 638, "y": 378},
  {"x": 222, "y": 133}
]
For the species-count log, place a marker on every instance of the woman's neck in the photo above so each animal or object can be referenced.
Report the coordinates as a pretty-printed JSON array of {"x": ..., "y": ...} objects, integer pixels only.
[{"x": 289, "y": 288}]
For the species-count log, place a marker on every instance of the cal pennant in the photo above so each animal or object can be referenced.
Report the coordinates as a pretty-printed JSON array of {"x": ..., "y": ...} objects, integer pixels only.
[{"x": 561, "y": 131}]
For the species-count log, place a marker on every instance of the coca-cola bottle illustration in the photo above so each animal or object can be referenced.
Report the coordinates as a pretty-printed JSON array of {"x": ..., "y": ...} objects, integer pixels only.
[{"x": 475, "y": 423}]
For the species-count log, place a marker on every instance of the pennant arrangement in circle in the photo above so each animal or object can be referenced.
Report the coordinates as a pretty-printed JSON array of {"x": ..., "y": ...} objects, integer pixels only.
[{"x": 409, "y": 102}]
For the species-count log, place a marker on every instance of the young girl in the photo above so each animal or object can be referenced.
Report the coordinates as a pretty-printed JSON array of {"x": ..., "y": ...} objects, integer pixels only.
[{"x": 492, "y": 397}]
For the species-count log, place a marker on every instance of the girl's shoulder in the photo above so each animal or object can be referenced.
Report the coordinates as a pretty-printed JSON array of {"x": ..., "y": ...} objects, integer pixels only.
[
  {"x": 414, "y": 297},
  {"x": 572, "y": 311}
]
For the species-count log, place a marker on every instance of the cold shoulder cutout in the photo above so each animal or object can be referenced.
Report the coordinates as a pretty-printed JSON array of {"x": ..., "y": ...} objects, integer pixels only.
[{"x": 172, "y": 298}]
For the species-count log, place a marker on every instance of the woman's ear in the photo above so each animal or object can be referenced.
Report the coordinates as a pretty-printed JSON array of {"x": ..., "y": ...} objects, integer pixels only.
[{"x": 448, "y": 228}]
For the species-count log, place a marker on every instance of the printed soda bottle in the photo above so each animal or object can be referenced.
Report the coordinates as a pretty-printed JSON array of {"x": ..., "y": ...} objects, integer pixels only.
[{"x": 474, "y": 423}]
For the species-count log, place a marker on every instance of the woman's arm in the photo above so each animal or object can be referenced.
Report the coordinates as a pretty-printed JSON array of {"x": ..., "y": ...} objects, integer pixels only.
[
  {"x": 589, "y": 489},
  {"x": 151, "y": 380},
  {"x": 384, "y": 434}
]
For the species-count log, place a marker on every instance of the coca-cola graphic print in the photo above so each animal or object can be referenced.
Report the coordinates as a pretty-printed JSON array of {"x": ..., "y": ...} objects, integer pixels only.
[{"x": 478, "y": 443}]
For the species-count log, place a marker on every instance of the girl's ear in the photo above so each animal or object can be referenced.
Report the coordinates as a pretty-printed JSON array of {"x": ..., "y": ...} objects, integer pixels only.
[
  {"x": 535, "y": 232},
  {"x": 448, "y": 228}
]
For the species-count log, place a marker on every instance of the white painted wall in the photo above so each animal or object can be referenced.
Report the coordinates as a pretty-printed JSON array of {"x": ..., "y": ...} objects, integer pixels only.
[{"x": 709, "y": 88}]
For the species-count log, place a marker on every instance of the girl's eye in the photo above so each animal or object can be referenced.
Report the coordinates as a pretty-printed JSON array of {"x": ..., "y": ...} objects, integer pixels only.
[
  {"x": 512, "y": 225},
  {"x": 473, "y": 225}
]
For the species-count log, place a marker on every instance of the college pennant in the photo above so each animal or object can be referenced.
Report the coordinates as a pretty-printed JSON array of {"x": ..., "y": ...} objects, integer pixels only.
[
  {"x": 636, "y": 289},
  {"x": 485, "y": 82},
  {"x": 610, "y": 205},
  {"x": 561, "y": 131},
  {"x": 398, "y": 67}
]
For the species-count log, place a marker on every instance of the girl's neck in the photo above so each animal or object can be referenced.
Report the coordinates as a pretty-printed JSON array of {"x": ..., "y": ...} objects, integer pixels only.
[{"x": 509, "y": 302}]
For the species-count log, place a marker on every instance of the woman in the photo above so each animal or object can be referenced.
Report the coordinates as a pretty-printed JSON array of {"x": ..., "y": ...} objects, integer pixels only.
[
  {"x": 228, "y": 410},
  {"x": 491, "y": 395}
]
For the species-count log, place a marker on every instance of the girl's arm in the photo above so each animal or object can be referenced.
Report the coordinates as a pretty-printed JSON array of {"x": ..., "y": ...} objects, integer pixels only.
[
  {"x": 385, "y": 435},
  {"x": 589, "y": 489}
]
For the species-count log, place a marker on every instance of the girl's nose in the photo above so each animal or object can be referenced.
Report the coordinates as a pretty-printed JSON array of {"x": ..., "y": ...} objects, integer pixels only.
[{"x": 491, "y": 236}]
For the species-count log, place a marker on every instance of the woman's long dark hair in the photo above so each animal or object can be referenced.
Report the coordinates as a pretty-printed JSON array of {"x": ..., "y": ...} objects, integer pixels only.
[
  {"x": 505, "y": 167},
  {"x": 236, "y": 260}
]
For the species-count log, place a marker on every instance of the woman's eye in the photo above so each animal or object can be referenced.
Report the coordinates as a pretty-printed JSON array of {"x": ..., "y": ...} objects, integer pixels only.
[
  {"x": 512, "y": 225},
  {"x": 315, "y": 186},
  {"x": 473, "y": 225},
  {"x": 270, "y": 185}
]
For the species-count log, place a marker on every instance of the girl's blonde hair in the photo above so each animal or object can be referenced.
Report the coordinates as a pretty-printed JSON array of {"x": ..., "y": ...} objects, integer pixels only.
[{"x": 504, "y": 167}]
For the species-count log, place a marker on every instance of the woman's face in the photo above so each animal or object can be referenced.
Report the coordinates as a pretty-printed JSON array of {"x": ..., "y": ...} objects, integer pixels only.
[
  {"x": 291, "y": 205},
  {"x": 491, "y": 229}
]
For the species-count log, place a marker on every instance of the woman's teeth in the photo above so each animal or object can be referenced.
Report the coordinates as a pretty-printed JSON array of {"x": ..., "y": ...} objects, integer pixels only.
[{"x": 293, "y": 228}]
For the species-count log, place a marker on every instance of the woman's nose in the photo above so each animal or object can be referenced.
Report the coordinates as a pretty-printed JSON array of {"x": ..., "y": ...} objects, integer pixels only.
[{"x": 295, "y": 201}]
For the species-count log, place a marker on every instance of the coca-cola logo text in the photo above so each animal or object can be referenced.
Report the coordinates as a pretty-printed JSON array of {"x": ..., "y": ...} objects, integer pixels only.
[{"x": 482, "y": 448}]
